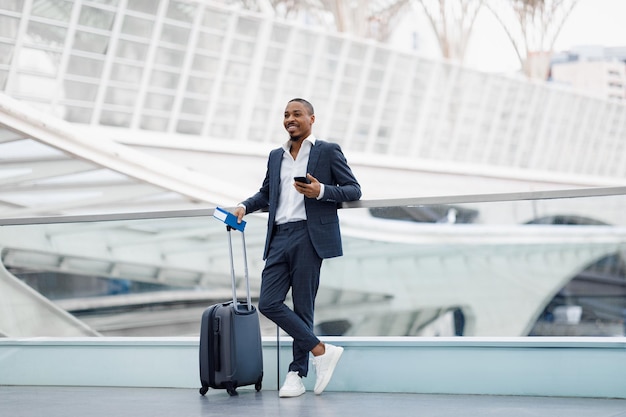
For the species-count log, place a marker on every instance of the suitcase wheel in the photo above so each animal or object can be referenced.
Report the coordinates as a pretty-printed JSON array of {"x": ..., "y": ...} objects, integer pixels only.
[
  {"x": 259, "y": 384},
  {"x": 204, "y": 390},
  {"x": 230, "y": 389}
]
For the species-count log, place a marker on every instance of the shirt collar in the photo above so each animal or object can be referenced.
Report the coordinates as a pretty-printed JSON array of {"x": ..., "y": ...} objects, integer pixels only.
[{"x": 311, "y": 139}]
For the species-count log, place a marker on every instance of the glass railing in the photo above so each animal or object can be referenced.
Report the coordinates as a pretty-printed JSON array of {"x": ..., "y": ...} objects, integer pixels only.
[{"x": 548, "y": 263}]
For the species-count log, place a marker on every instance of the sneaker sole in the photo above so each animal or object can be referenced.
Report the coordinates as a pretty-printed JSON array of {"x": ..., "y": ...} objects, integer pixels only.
[
  {"x": 291, "y": 394},
  {"x": 329, "y": 374}
]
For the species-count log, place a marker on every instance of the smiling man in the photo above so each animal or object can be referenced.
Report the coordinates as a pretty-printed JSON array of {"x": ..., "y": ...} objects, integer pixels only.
[{"x": 305, "y": 182}]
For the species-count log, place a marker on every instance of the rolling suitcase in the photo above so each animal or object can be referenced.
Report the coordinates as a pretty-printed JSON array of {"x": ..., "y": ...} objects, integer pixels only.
[{"x": 230, "y": 340}]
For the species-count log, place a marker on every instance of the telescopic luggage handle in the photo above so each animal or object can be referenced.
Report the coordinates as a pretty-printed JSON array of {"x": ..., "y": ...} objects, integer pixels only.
[
  {"x": 232, "y": 268},
  {"x": 231, "y": 222}
]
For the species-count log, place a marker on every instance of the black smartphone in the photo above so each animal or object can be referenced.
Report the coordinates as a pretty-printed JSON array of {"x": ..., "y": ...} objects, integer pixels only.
[{"x": 302, "y": 179}]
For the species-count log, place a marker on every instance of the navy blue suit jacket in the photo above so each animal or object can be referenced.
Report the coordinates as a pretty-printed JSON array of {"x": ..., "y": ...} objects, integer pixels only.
[{"x": 328, "y": 164}]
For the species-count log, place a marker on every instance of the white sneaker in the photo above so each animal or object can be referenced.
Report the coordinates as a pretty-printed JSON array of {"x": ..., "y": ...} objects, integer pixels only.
[
  {"x": 293, "y": 386},
  {"x": 325, "y": 366}
]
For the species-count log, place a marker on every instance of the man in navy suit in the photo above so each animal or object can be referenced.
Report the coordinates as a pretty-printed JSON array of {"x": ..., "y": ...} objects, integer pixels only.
[{"x": 302, "y": 229}]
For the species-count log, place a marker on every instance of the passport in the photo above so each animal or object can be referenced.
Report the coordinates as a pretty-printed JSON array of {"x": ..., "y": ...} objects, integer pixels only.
[{"x": 229, "y": 218}]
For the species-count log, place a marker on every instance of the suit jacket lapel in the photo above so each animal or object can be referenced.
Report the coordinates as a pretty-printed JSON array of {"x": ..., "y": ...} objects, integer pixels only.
[
  {"x": 274, "y": 169},
  {"x": 314, "y": 157}
]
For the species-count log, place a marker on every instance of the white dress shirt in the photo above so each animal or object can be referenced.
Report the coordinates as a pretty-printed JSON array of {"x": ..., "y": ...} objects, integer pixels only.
[{"x": 290, "y": 201}]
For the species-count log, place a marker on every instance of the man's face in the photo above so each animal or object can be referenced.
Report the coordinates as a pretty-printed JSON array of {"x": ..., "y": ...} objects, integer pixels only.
[{"x": 297, "y": 120}]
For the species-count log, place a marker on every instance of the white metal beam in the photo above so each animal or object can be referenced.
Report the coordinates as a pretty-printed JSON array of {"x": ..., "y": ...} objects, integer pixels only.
[{"x": 102, "y": 152}]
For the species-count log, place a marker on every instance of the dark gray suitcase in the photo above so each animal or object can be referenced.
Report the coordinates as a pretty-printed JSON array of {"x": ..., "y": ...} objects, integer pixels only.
[{"x": 230, "y": 340}]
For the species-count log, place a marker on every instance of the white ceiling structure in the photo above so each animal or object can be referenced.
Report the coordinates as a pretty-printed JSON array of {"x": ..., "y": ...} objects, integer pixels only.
[{"x": 48, "y": 167}]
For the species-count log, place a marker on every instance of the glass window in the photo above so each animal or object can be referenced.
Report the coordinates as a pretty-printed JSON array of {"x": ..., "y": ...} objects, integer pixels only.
[
  {"x": 323, "y": 86},
  {"x": 269, "y": 76},
  {"x": 96, "y": 18},
  {"x": 344, "y": 107},
  {"x": 164, "y": 79},
  {"x": 169, "y": 57},
  {"x": 333, "y": 47},
  {"x": 154, "y": 123},
  {"x": 189, "y": 127},
  {"x": 304, "y": 60},
  {"x": 206, "y": 64},
  {"x": 85, "y": 41},
  {"x": 3, "y": 79},
  {"x": 199, "y": 85},
  {"x": 260, "y": 116},
  {"x": 353, "y": 70},
  {"x": 348, "y": 89},
  {"x": 242, "y": 49},
  {"x": 391, "y": 109},
  {"x": 36, "y": 60},
  {"x": 6, "y": 53},
  {"x": 255, "y": 135},
  {"x": 381, "y": 147},
  {"x": 210, "y": 42},
  {"x": 182, "y": 11},
  {"x": 78, "y": 114},
  {"x": 273, "y": 56},
  {"x": 357, "y": 52},
  {"x": 8, "y": 26},
  {"x": 56, "y": 10},
  {"x": 216, "y": 20},
  {"x": 330, "y": 66},
  {"x": 13, "y": 5},
  {"x": 76, "y": 90},
  {"x": 175, "y": 34},
  {"x": 137, "y": 26},
  {"x": 248, "y": 27},
  {"x": 376, "y": 76},
  {"x": 159, "y": 102},
  {"x": 115, "y": 118},
  {"x": 222, "y": 131},
  {"x": 233, "y": 89},
  {"x": 366, "y": 112},
  {"x": 35, "y": 85},
  {"x": 280, "y": 34},
  {"x": 132, "y": 50},
  {"x": 109, "y": 2},
  {"x": 86, "y": 67},
  {"x": 237, "y": 71},
  {"x": 381, "y": 56},
  {"x": 126, "y": 73},
  {"x": 44, "y": 34},
  {"x": 121, "y": 96},
  {"x": 305, "y": 40},
  {"x": 372, "y": 94},
  {"x": 145, "y": 6},
  {"x": 194, "y": 106}
]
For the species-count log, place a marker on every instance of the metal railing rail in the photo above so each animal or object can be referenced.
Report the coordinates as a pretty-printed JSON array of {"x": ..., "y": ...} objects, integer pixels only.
[{"x": 378, "y": 203}]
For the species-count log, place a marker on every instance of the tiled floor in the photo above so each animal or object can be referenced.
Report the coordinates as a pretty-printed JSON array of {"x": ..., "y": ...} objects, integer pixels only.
[{"x": 152, "y": 402}]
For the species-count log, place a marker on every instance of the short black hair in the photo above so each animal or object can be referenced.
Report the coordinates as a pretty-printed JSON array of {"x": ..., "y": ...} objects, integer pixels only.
[{"x": 306, "y": 104}]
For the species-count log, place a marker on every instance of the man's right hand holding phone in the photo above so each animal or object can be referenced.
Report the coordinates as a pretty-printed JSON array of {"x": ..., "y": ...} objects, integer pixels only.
[{"x": 309, "y": 186}]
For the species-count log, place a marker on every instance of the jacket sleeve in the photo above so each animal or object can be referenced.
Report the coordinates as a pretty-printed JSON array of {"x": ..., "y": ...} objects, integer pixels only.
[{"x": 345, "y": 187}]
